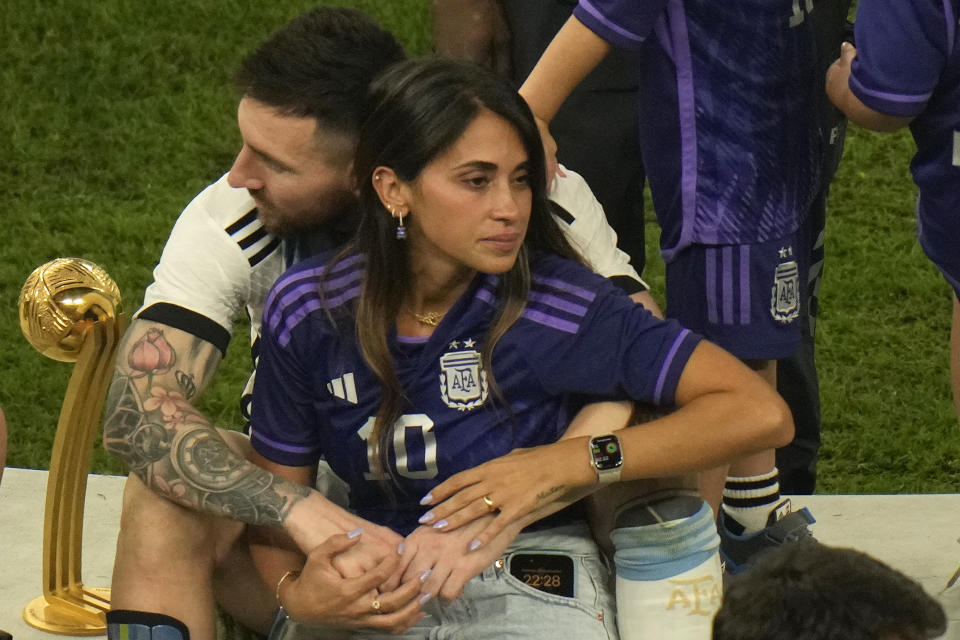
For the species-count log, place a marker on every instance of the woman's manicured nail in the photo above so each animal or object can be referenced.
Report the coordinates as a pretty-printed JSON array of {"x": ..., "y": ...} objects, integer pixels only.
[
  {"x": 425, "y": 518},
  {"x": 474, "y": 545},
  {"x": 425, "y": 575},
  {"x": 356, "y": 532},
  {"x": 441, "y": 524},
  {"x": 427, "y": 499},
  {"x": 400, "y": 548},
  {"x": 425, "y": 598}
]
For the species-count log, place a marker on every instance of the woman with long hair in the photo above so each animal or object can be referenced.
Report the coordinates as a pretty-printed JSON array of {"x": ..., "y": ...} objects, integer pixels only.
[{"x": 459, "y": 326}]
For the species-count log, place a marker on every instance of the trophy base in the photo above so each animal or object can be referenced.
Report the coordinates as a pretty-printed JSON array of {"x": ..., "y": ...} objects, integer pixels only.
[{"x": 69, "y": 618}]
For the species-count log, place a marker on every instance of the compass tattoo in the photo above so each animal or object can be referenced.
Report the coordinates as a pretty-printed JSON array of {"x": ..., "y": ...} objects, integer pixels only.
[{"x": 152, "y": 426}]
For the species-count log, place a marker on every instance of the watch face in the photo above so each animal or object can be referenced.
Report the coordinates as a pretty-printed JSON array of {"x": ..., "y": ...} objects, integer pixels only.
[{"x": 606, "y": 452}]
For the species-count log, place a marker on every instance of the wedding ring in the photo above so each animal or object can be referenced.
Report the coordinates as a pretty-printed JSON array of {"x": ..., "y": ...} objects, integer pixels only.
[
  {"x": 487, "y": 501},
  {"x": 375, "y": 605}
]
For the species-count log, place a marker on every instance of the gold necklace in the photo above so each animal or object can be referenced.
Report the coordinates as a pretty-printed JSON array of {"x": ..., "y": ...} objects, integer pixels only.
[{"x": 430, "y": 318}]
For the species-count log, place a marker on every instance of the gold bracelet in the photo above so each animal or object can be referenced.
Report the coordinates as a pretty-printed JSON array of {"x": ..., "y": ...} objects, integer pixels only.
[{"x": 293, "y": 574}]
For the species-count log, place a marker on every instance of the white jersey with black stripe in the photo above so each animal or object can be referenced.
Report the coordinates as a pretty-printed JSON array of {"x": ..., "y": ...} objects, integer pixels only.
[
  {"x": 586, "y": 226},
  {"x": 219, "y": 261}
]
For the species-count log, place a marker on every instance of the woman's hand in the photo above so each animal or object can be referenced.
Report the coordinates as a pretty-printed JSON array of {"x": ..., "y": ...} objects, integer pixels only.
[
  {"x": 520, "y": 488},
  {"x": 445, "y": 561},
  {"x": 321, "y": 596}
]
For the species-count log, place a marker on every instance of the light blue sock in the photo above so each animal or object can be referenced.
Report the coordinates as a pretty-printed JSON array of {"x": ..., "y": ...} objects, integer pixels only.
[{"x": 669, "y": 580}]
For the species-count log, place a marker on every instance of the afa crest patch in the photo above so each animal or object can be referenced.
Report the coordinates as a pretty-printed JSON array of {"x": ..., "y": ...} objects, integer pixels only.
[
  {"x": 785, "y": 296},
  {"x": 463, "y": 382}
]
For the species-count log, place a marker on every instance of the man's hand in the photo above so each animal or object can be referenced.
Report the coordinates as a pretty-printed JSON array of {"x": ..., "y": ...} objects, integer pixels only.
[{"x": 321, "y": 596}]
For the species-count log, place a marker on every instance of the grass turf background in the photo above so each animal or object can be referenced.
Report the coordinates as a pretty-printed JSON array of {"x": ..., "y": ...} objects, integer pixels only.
[{"x": 114, "y": 114}]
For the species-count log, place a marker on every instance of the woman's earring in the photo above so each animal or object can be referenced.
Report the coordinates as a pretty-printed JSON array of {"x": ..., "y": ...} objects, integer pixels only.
[{"x": 401, "y": 230}]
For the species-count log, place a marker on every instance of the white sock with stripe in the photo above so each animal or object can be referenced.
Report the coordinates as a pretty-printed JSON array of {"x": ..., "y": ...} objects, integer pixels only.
[{"x": 748, "y": 500}]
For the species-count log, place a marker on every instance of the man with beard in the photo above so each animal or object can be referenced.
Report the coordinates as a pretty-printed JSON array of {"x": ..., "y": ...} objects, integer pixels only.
[{"x": 192, "y": 491}]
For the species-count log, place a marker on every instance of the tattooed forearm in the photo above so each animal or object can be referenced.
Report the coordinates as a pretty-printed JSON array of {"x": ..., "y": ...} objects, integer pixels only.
[
  {"x": 226, "y": 484},
  {"x": 152, "y": 426}
]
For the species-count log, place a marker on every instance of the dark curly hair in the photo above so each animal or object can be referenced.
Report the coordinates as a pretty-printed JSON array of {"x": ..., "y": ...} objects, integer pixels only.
[{"x": 810, "y": 591}]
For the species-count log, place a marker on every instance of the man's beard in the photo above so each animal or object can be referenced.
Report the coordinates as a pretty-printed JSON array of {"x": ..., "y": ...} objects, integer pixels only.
[{"x": 335, "y": 204}]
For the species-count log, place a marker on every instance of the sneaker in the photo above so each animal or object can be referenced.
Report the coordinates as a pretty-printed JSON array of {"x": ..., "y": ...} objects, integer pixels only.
[{"x": 784, "y": 526}]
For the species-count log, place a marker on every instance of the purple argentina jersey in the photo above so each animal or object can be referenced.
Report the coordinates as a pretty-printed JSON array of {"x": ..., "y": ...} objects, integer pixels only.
[
  {"x": 908, "y": 64},
  {"x": 728, "y": 113},
  {"x": 315, "y": 395}
]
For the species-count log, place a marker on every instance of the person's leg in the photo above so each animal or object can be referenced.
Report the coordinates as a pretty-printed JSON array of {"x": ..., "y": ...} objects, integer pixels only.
[
  {"x": 550, "y": 583},
  {"x": 661, "y": 536},
  {"x": 752, "y": 516},
  {"x": 940, "y": 241},
  {"x": 797, "y": 379},
  {"x": 752, "y": 487},
  {"x": 177, "y": 562},
  {"x": 747, "y": 299},
  {"x": 798, "y": 384},
  {"x": 665, "y": 551},
  {"x": 713, "y": 482}
]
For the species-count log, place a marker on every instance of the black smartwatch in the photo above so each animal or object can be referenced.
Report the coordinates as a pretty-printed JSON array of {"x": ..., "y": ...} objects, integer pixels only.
[{"x": 607, "y": 457}]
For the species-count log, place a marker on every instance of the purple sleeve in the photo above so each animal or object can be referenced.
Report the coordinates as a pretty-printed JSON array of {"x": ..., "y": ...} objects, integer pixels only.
[
  {"x": 620, "y": 350},
  {"x": 284, "y": 426},
  {"x": 622, "y": 23},
  {"x": 902, "y": 47}
]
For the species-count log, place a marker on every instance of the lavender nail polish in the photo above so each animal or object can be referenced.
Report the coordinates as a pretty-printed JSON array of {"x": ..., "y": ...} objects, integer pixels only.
[
  {"x": 427, "y": 499},
  {"x": 474, "y": 545},
  {"x": 356, "y": 532},
  {"x": 425, "y": 518},
  {"x": 441, "y": 524},
  {"x": 425, "y": 598},
  {"x": 425, "y": 575},
  {"x": 400, "y": 548}
]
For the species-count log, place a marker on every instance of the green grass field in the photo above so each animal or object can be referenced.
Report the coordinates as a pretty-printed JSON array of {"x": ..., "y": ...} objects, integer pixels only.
[{"x": 115, "y": 115}]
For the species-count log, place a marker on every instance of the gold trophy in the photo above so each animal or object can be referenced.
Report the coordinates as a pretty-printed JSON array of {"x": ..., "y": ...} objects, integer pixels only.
[{"x": 70, "y": 311}]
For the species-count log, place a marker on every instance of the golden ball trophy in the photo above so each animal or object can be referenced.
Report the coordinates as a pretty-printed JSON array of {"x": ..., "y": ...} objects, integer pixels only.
[{"x": 70, "y": 311}]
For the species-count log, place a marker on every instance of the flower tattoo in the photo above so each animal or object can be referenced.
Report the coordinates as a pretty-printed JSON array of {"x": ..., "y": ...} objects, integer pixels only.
[{"x": 151, "y": 354}]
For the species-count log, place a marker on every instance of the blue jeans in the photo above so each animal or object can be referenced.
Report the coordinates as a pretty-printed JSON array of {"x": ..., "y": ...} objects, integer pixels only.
[{"x": 496, "y": 605}]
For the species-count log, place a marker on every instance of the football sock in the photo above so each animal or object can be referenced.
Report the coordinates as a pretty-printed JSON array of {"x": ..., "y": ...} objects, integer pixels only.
[
  {"x": 748, "y": 500},
  {"x": 141, "y": 625},
  {"x": 669, "y": 582}
]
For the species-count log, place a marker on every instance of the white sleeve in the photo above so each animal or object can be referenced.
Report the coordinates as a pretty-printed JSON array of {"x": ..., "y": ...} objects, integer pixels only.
[
  {"x": 202, "y": 269},
  {"x": 587, "y": 227}
]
